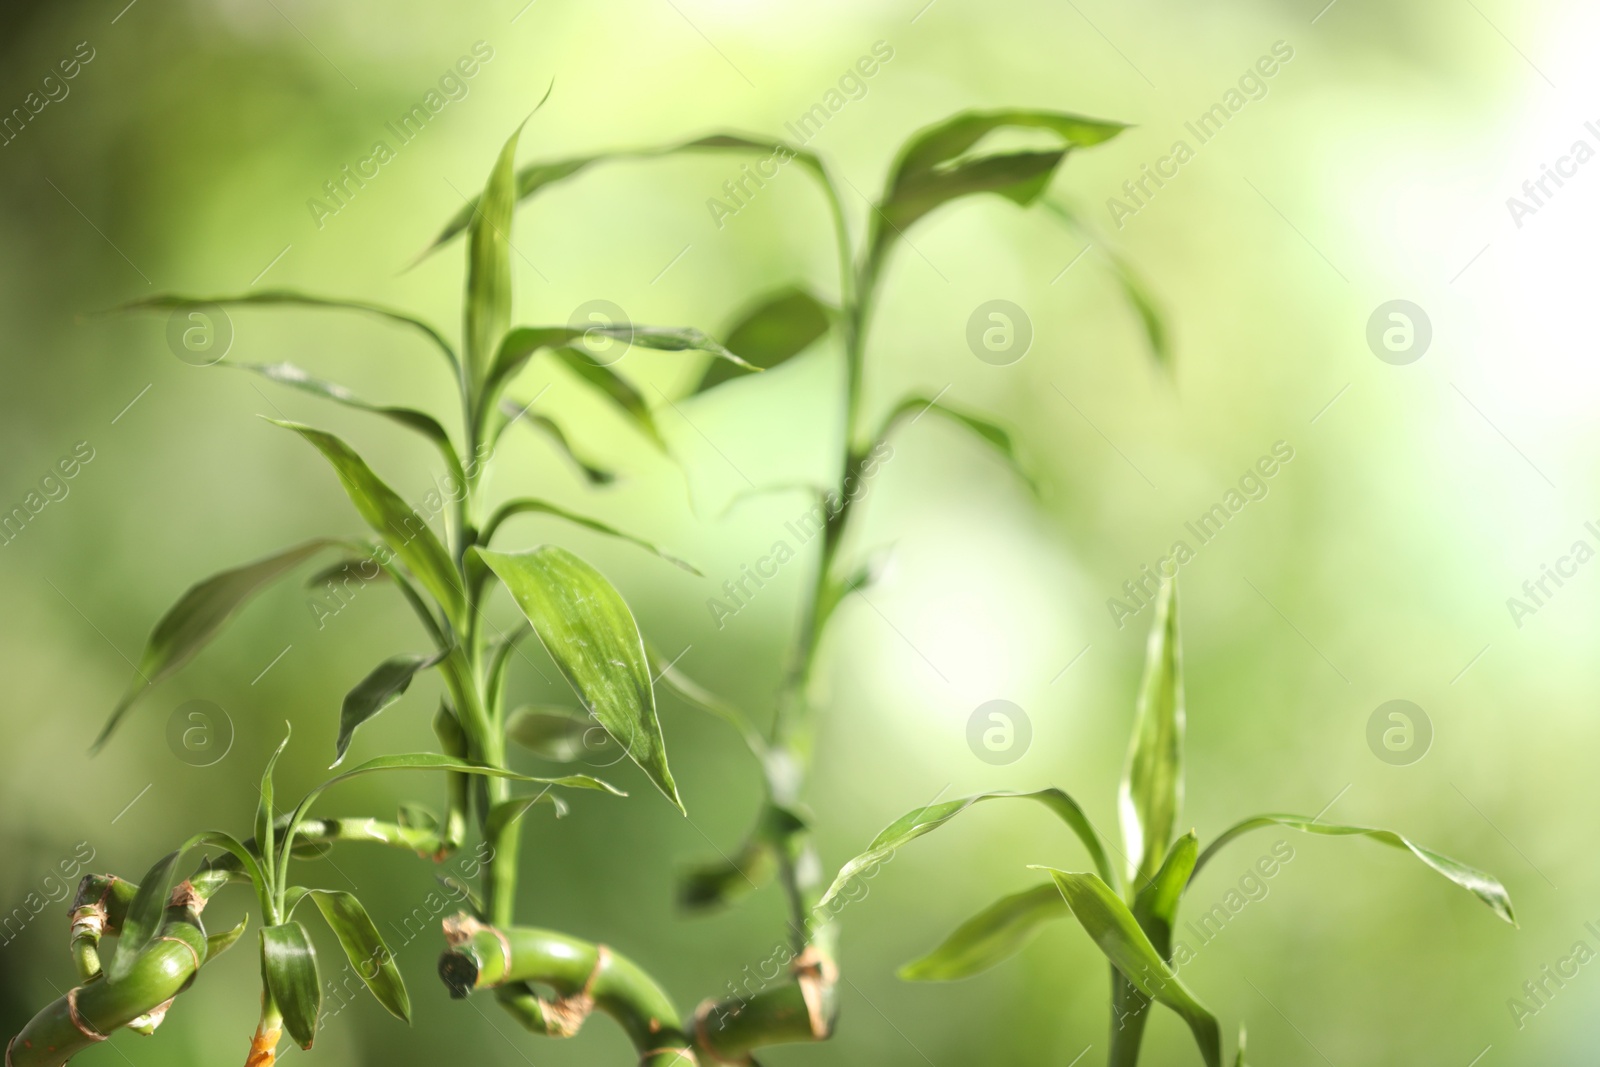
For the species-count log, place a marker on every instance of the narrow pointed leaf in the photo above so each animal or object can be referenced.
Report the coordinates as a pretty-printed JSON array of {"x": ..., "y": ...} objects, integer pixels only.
[
  {"x": 615, "y": 388},
  {"x": 289, "y": 969},
  {"x": 1134, "y": 289},
  {"x": 386, "y": 684},
  {"x": 588, "y": 630},
  {"x": 938, "y": 164},
  {"x": 1151, "y": 794},
  {"x": 1485, "y": 887},
  {"x": 778, "y": 328},
  {"x": 412, "y": 419},
  {"x": 405, "y": 531},
  {"x": 197, "y": 617},
  {"x": 992, "y": 434},
  {"x": 990, "y": 937},
  {"x": 1112, "y": 927},
  {"x": 487, "y": 308},
  {"x": 530, "y": 506},
  {"x": 217, "y": 944},
  {"x": 364, "y": 948},
  {"x": 287, "y": 297},
  {"x": 914, "y": 824},
  {"x": 1156, "y": 904},
  {"x": 267, "y": 813},
  {"x": 534, "y": 177},
  {"x": 508, "y": 812},
  {"x": 593, "y": 472}
]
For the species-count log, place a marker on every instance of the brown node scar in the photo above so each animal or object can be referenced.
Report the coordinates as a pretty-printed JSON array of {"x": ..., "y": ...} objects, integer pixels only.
[
  {"x": 816, "y": 974},
  {"x": 78, "y": 1020},
  {"x": 89, "y": 920},
  {"x": 263, "y": 1047},
  {"x": 184, "y": 896},
  {"x": 566, "y": 1015}
]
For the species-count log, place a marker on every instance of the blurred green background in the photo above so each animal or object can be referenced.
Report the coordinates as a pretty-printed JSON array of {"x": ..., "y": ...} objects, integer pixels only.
[{"x": 1376, "y": 166}]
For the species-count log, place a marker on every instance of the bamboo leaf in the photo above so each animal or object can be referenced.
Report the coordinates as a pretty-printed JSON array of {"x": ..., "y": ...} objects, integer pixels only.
[
  {"x": 1134, "y": 289},
  {"x": 217, "y": 944},
  {"x": 530, "y": 506},
  {"x": 1156, "y": 904},
  {"x": 196, "y": 618},
  {"x": 287, "y": 297},
  {"x": 267, "y": 813},
  {"x": 1485, "y": 887},
  {"x": 992, "y": 434},
  {"x": 406, "y": 532},
  {"x": 588, "y": 630},
  {"x": 412, "y": 419},
  {"x": 386, "y": 683},
  {"x": 364, "y": 948},
  {"x": 615, "y": 388},
  {"x": 1151, "y": 794},
  {"x": 593, "y": 472},
  {"x": 508, "y": 812},
  {"x": 534, "y": 177},
  {"x": 776, "y": 329},
  {"x": 289, "y": 970},
  {"x": 990, "y": 937},
  {"x": 1112, "y": 927},
  {"x": 937, "y": 165},
  {"x": 919, "y": 821},
  {"x": 487, "y": 308}
]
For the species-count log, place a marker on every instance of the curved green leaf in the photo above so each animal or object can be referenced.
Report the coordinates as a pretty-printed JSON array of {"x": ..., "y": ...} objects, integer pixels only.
[
  {"x": 406, "y": 532},
  {"x": 386, "y": 684},
  {"x": 937, "y": 165},
  {"x": 1151, "y": 793},
  {"x": 530, "y": 506},
  {"x": 195, "y": 619},
  {"x": 289, "y": 970},
  {"x": 776, "y": 329},
  {"x": 1133, "y": 287},
  {"x": 615, "y": 388},
  {"x": 588, "y": 630},
  {"x": 914, "y": 824},
  {"x": 267, "y": 812},
  {"x": 1156, "y": 909},
  {"x": 412, "y": 419},
  {"x": 990, "y": 937},
  {"x": 1485, "y": 887},
  {"x": 173, "y": 301},
  {"x": 593, "y": 472},
  {"x": 217, "y": 944},
  {"x": 487, "y": 308},
  {"x": 1112, "y": 927},
  {"x": 992, "y": 434},
  {"x": 537, "y": 176},
  {"x": 508, "y": 812},
  {"x": 364, "y": 948}
]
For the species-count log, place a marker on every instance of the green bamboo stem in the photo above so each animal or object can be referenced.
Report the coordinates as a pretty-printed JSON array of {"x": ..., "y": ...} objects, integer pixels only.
[{"x": 89, "y": 1013}]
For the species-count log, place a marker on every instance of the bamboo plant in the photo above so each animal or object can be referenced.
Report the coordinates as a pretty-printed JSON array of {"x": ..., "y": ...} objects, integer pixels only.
[
  {"x": 1128, "y": 909},
  {"x": 548, "y": 981}
]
